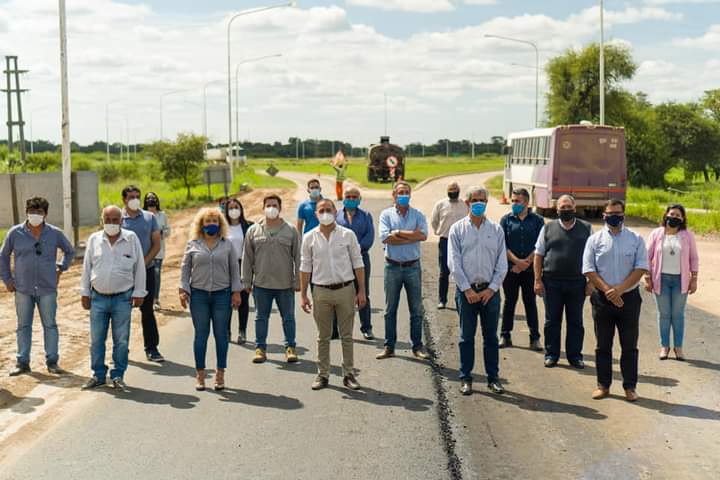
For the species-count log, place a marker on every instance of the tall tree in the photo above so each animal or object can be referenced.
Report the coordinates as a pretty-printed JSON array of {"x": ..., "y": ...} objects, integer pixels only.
[{"x": 182, "y": 160}]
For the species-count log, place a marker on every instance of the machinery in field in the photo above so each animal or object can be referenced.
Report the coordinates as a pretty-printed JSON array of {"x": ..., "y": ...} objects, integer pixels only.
[{"x": 386, "y": 162}]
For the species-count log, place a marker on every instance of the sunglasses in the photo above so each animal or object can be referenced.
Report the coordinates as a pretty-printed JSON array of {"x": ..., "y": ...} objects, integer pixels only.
[{"x": 38, "y": 250}]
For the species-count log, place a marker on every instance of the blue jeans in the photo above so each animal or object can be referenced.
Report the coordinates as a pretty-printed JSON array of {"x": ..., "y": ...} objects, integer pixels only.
[
  {"x": 397, "y": 277},
  {"x": 25, "y": 310},
  {"x": 567, "y": 296},
  {"x": 157, "y": 269},
  {"x": 671, "y": 310},
  {"x": 104, "y": 312},
  {"x": 489, "y": 317},
  {"x": 206, "y": 309},
  {"x": 285, "y": 301}
]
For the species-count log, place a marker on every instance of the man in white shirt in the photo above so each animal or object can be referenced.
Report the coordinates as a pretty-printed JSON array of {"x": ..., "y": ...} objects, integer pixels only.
[
  {"x": 331, "y": 255},
  {"x": 445, "y": 213},
  {"x": 112, "y": 283}
]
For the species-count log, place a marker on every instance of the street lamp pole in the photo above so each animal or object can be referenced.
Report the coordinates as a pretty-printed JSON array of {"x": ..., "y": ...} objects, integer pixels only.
[
  {"x": 229, "y": 60},
  {"x": 602, "y": 62},
  {"x": 65, "y": 124},
  {"x": 537, "y": 69}
]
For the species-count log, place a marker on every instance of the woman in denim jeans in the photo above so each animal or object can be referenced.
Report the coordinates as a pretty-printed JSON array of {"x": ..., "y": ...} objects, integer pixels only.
[
  {"x": 152, "y": 204},
  {"x": 210, "y": 283},
  {"x": 673, "y": 274}
]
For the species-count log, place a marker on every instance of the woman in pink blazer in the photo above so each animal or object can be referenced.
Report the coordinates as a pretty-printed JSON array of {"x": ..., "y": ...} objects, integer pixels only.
[{"x": 673, "y": 274}]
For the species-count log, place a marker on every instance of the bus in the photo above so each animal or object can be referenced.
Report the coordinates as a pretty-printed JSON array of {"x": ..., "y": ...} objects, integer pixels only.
[{"x": 587, "y": 161}]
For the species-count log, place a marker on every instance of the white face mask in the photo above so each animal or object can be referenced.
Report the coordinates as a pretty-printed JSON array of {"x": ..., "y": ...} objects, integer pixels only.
[
  {"x": 35, "y": 219},
  {"x": 272, "y": 213},
  {"x": 134, "y": 204},
  {"x": 111, "y": 229},
  {"x": 326, "y": 218},
  {"x": 234, "y": 213}
]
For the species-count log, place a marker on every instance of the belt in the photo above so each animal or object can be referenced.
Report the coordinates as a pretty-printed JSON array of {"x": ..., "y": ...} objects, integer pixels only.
[
  {"x": 111, "y": 294},
  {"x": 401, "y": 264},
  {"x": 479, "y": 287},
  {"x": 335, "y": 286}
]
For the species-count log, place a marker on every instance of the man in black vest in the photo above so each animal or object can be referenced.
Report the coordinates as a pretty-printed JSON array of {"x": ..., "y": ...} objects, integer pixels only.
[{"x": 559, "y": 280}]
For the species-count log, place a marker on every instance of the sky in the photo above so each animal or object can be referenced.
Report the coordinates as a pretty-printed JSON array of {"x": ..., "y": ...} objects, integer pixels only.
[{"x": 340, "y": 60}]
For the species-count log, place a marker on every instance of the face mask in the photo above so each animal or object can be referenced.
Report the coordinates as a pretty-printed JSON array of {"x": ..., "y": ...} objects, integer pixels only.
[
  {"x": 111, "y": 229},
  {"x": 673, "y": 222},
  {"x": 272, "y": 213},
  {"x": 315, "y": 193},
  {"x": 478, "y": 209},
  {"x": 351, "y": 204},
  {"x": 614, "y": 220},
  {"x": 453, "y": 195},
  {"x": 517, "y": 208},
  {"x": 35, "y": 219},
  {"x": 151, "y": 202},
  {"x": 567, "y": 215},
  {"x": 234, "y": 213},
  {"x": 403, "y": 200},
  {"x": 134, "y": 204},
  {"x": 211, "y": 229},
  {"x": 326, "y": 218}
]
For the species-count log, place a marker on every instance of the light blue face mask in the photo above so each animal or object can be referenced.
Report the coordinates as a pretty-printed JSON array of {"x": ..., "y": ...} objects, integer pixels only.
[
  {"x": 517, "y": 208},
  {"x": 403, "y": 200},
  {"x": 351, "y": 204},
  {"x": 315, "y": 194},
  {"x": 478, "y": 209}
]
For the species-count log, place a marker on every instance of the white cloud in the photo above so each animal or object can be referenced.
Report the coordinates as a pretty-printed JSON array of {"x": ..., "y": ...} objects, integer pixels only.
[
  {"x": 422, "y": 6},
  {"x": 709, "y": 40},
  {"x": 680, "y": 2},
  {"x": 480, "y": 2}
]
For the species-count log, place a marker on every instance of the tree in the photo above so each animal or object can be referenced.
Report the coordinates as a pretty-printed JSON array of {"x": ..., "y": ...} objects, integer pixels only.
[
  {"x": 574, "y": 84},
  {"x": 181, "y": 161},
  {"x": 648, "y": 151},
  {"x": 711, "y": 103}
]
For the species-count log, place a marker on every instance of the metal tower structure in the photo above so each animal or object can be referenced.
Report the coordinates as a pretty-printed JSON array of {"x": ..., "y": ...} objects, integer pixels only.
[{"x": 12, "y": 73}]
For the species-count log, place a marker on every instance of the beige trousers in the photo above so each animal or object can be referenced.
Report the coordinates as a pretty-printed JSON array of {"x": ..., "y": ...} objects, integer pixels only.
[{"x": 342, "y": 303}]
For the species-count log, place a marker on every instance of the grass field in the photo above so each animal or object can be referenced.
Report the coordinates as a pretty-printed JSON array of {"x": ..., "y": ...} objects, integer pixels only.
[{"x": 417, "y": 168}]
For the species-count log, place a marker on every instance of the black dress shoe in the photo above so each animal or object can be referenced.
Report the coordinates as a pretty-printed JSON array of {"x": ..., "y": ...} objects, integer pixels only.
[
  {"x": 368, "y": 335},
  {"x": 350, "y": 382},
  {"x": 55, "y": 369},
  {"x": 495, "y": 387},
  {"x": 579, "y": 364},
  {"x": 92, "y": 383},
  {"x": 20, "y": 369},
  {"x": 421, "y": 354},
  {"x": 155, "y": 356},
  {"x": 466, "y": 387},
  {"x": 550, "y": 362},
  {"x": 505, "y": 342},
  {"x": 536, "y": 346}
]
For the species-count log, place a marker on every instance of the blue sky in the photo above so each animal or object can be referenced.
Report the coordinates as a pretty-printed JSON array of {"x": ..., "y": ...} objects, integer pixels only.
[{"x": 443, "y": 79}]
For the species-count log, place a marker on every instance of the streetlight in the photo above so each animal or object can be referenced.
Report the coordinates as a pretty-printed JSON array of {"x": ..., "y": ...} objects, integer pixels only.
[
  {"x": 602, "y": 62},
  {"x": 65, "y": 125},
  {"x": 537, "y": 66},
  {"x": 229, "y": 58},
  {"x": 107, "y": 129},
  {"x": 237, "y": 91}
]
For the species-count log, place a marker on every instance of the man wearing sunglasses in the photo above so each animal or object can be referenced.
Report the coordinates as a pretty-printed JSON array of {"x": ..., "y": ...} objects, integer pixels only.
[{"x": 34, "y": 278}]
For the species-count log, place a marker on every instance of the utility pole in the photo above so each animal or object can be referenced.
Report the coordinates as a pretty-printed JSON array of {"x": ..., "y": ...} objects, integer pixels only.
[
  {"x": 66, "y": 160},
  {"x": 602, "y": 62}
]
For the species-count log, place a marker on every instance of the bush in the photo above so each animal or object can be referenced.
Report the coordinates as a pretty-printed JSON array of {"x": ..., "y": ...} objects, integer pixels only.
[
  {"x": 79, "y": 164},
  {"x": 108, "y": 172},
  {"x": 43, "y": 162},
  {"x": 128, "y": 169}
]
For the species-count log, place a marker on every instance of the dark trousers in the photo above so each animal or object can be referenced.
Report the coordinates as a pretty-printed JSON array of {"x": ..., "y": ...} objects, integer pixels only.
[
  {"x": 489, "y": 315},
  {"x": 151, "y": 336},
  {"x": 512, "y": 285},
  {"x": 444, "y": 280},
  {"x": 365, "y": 313},
  {"x": 243, "y": 311},
  {"x": 607, "y": 318},
  {"x": 567, "y": 296}
]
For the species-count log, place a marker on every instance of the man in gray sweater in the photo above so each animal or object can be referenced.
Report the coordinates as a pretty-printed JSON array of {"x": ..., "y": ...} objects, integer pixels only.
[{"x": 270, "y": 269}]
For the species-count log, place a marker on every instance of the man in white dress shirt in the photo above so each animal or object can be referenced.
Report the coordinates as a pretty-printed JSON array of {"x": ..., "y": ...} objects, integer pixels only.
[
  {"x": 331, "y": 255},
  {"x": 112, "y": 283}
]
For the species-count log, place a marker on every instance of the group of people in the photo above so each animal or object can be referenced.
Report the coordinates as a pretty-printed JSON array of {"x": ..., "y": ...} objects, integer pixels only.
[
  {"x": 564, "y": 262},
  {"x": 325, "y": 258}
]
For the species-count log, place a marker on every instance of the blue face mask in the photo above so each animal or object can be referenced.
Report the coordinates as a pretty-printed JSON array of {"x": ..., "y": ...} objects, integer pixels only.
[
  {"x": 315, "y": 194},
  {"x": 517, "y": 208},
  {"x": 351, "y": 204},
  {"x": 211, "y": 229},
  {"x": 614, "y": 220},
  {"x": 478, "y": 209},
  {"x": 403, "y": 200}
]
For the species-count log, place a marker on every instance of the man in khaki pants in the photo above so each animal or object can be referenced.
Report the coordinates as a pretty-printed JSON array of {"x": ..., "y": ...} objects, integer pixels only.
[{"x": 331, "y": 255}]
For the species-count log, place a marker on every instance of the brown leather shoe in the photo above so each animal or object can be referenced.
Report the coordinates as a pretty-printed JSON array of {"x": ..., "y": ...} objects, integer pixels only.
[
  {"x": 386, "y": 353},
  {"x": 350, "y": 382},
  {"x": 319, "y": 383},
  {"x": 421, "y": 354},
  {"x": 291, "y": 355},
  {"x": 260, "y": 356},
  {"x": 600, "y": 392},
  {"x": 631, "y": 395}
]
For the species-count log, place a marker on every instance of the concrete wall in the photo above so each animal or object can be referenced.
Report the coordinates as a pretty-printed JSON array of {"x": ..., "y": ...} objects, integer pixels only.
[{"x": 49, "y": 185}]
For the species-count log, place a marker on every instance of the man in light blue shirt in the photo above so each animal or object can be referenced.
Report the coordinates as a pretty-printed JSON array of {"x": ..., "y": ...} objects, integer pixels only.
[
  {"x": 614, "y": 261},
  {"x": 34, "y": 279},
  {"x": 477, "y": 259},
  {"x": 306, "y": 218},
  {"x": 401, "y": 230}
]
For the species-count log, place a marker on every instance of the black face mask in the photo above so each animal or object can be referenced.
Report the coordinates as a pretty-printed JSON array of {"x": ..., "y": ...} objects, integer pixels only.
[
  {"x": 453, "y": 195},
  {"x": 673, "y": 222},
  {"x": 567, "y": 215}
]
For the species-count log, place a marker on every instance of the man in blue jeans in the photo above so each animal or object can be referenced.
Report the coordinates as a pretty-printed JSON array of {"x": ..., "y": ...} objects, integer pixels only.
[
  {"x": 402, "y": 228},
  {"x": 34, "y": 278},
  {"x": 112, "y": 283},
  {"x": 477, "y": 258}
]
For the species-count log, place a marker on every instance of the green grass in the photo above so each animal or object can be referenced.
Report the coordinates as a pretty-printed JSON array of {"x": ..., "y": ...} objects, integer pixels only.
[
  {"x": 417, "y": 168},
  {"x": 495, "y": 186}
]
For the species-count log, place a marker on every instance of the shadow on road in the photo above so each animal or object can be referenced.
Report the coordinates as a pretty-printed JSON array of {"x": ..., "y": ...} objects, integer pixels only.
[
  {"x": 258, "y": 399},
  {"x": 22, "y": 405},
  {"x": 168, "y": 368},
  {"x": 149, "y": 397},
  {"x": 385, "y": 399},
  {"x": 533, "y": 404}
]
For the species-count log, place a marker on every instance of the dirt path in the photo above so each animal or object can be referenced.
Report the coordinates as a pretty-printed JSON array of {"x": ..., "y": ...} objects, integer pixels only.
[{"x": 72, "y": 320}]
